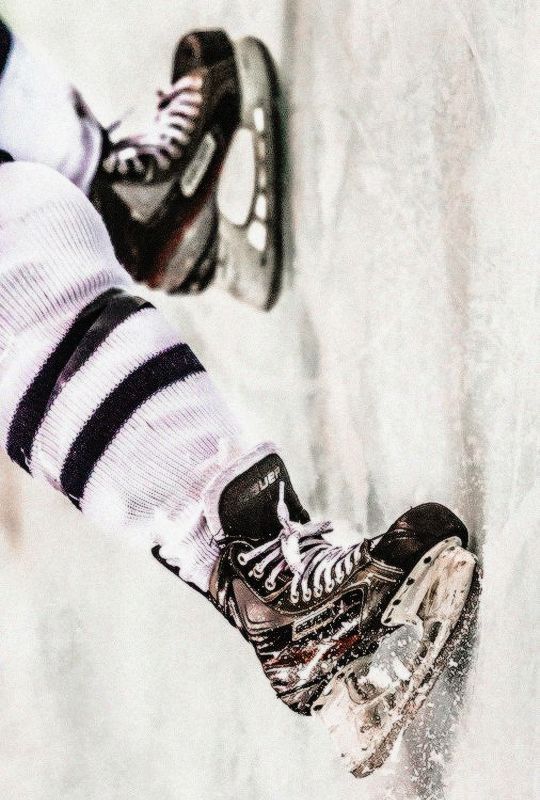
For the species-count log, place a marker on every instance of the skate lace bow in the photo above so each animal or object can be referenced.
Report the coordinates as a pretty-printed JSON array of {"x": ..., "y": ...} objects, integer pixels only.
[
  {"x": 167, "y": 135},
  {"x": 316, "y": 565}
]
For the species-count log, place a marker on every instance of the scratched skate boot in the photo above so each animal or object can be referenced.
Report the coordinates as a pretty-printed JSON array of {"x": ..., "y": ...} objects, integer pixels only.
[
  {"x": 356, "y": 635},
  {"x": 176, "y": 221}
]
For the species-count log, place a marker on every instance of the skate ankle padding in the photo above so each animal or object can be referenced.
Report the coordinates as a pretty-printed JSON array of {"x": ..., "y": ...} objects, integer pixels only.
[{"x": 242, "y": 501}]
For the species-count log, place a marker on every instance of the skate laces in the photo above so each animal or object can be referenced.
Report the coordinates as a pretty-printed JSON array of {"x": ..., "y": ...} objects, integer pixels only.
[
  {"x": 317, "y": 566},
  {"x": 167, "y": 136}
]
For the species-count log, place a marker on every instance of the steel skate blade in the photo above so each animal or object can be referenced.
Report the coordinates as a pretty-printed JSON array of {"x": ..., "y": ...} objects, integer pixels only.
[
  {"x": 249, "y": 191},
  {"x": 366, "y": 709}
]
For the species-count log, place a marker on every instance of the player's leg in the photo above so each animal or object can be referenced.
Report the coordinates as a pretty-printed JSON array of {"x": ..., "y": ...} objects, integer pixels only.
[
  {"x": 42, "y": 118},
  {"x": 99, "y": 396},
  {"x": 101, "y": 399},
  {"x": 162, "y": 191}
]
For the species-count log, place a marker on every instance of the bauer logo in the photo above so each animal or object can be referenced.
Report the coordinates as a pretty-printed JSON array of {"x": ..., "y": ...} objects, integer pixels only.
[
  {"x": 312, "y": 623},
  {"x": 262, "y": 484},
  {"x": 195, "y": 170}
]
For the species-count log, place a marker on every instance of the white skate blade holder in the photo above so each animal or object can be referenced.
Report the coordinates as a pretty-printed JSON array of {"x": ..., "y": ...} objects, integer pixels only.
[{"x": 370, "y": 702}]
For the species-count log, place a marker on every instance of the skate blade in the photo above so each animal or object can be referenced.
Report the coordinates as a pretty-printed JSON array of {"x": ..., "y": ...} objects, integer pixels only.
[
  {"x": 368, "y": 704},
  {"x": 249, "y": 189}
]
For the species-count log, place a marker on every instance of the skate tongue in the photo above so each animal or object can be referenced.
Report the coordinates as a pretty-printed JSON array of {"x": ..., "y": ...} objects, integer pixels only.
[{"x": 248, "y": 506}]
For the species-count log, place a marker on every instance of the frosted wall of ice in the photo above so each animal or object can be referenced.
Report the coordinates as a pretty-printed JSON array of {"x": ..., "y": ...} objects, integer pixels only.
[{"x": 399, "y": 366}]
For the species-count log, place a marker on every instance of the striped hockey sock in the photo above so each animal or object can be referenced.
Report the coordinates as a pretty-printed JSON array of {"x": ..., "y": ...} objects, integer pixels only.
[{"x": 99, "y": 396}]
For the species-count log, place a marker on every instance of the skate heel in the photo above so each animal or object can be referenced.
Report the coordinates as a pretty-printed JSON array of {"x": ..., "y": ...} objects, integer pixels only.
[{"x": 368, "y": 704}]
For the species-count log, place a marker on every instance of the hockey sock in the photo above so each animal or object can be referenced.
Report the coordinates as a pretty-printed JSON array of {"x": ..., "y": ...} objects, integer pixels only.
[
  {"x": 99, "y": 396},
  {"x": 42, "y": 118},
  {"x": 6, "y": 40}
]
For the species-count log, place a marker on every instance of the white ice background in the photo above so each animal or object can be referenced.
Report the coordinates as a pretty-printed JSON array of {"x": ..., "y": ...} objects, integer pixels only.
[{"x": 400, "y": 365}]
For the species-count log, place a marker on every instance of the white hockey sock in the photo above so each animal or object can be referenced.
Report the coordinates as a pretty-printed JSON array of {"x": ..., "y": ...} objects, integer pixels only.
[
  {"x": 99, "y": 395},
  {"x": 42, "y": 119}
]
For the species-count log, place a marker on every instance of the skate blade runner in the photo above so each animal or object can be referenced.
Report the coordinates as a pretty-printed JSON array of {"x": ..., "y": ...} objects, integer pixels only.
[{"x": 112, "y": 410}]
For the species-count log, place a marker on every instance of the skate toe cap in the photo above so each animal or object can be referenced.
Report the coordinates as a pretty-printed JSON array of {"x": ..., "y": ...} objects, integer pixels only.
[{"x": 416, "y": 532}]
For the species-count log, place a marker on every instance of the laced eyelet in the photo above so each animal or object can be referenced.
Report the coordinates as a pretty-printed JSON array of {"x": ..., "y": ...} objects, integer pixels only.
[
  {"x": 270, "y": 585},
  {"x": 330, "y": 586},
  {"x": 295, "y": 598},
  {"x": 307, "y": 595},
  {"x": 318, "y": 591},
  {"x": 242, "y": 560}
]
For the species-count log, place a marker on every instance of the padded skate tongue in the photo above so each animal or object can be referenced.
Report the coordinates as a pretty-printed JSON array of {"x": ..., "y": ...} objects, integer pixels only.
[{"x": 248, "y": 505}]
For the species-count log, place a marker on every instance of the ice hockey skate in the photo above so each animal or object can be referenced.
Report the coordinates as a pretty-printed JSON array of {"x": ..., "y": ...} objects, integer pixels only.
[
  {"x": 355, "y": 635},
  {"x": 195, "y": 197}
]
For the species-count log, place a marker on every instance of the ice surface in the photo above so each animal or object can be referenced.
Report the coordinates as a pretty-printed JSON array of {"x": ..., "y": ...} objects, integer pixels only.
[{"x": 400, "y": 365}]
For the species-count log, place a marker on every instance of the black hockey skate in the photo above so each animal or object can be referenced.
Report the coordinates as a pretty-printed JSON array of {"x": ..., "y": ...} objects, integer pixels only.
[
  {"x": 180, "y": 212},
  {"x": 356, "y": 635},
  {"x": 5, "y": 157}
]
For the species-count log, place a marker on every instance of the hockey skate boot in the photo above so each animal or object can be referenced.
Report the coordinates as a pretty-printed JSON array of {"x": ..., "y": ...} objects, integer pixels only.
[
  {"x": 356, "y": 635},
  {"x": 180, "y": 211}
]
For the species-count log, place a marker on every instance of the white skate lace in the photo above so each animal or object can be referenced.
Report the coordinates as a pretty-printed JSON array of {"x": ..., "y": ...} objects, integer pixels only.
[
  {"x": 167, "y": 136},
  {"x": 316, "y": 571}
]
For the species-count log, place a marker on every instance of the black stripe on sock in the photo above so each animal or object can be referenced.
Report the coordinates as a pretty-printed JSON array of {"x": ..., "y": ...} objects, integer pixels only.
[
  {"x": 161, "y": 371},
  {"x": 34, "y": 403},
  {"x": 6, "y": 41},
  {"x": 117, "y": 310}
]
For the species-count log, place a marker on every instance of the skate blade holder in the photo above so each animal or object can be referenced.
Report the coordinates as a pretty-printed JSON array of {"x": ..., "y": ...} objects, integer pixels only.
[
  {"x": 363, "y": 704},
  {"x": 435, "y": 590}
]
